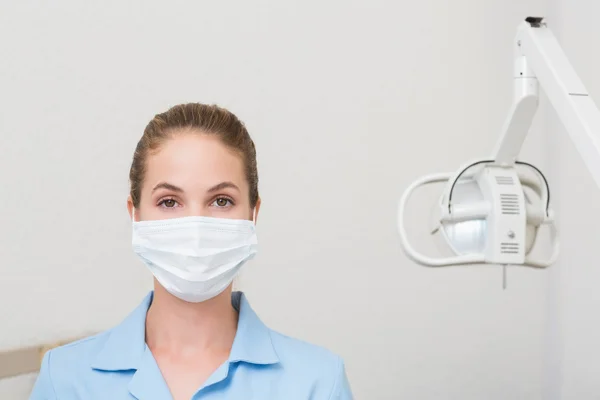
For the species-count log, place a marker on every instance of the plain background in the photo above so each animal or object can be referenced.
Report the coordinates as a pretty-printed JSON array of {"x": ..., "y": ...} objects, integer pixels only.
[{"x": 348, "y": 102}]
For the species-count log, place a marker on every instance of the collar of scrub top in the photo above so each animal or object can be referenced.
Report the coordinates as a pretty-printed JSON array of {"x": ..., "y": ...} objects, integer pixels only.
[{"x": 125, "y": 348}]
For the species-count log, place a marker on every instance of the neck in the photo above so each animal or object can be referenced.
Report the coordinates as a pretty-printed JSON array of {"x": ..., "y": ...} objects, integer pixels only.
[{"x": 178, "y": 326}]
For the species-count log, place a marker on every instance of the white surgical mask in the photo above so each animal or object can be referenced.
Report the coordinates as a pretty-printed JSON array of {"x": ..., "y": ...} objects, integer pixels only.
[{"x": 195, "y": 258}]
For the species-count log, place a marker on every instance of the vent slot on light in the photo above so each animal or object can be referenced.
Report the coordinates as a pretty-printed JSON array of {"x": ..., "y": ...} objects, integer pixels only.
[
  {"x": 509, "y": 248},
  {"x": 505, "y": 180},
  {"x": 509, "y": 204}
]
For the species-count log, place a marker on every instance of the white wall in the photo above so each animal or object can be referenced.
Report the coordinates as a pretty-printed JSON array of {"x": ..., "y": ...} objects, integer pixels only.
[
  {"x": 572, "y": 349},
  {"x": 348, "y": 102}
]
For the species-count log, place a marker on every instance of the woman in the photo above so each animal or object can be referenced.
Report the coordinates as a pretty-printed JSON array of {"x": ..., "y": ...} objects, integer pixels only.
[{"x": 193, "y": 202}]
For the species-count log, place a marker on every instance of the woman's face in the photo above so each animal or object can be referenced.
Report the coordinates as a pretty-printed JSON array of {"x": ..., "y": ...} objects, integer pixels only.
[{"x": 194, "y": 175}]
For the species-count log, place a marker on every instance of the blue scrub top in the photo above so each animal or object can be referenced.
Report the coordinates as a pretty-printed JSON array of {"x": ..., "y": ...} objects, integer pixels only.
[{"x": 263, "y": 364}]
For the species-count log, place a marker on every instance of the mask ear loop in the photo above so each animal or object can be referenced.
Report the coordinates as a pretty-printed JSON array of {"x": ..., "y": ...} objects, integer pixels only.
[{"x": 254, "y": 216}]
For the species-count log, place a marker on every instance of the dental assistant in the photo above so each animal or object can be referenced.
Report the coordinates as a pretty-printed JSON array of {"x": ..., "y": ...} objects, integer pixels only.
[{"x": 194, "y": 203}]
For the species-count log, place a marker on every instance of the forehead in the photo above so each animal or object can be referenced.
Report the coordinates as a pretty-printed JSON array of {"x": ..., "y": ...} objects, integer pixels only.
[{"x": 194, "y": 160}]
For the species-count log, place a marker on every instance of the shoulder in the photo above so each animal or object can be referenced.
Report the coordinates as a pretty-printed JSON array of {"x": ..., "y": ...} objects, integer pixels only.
[
  {"x": 302, "y": 369},
  {"x": 63, "y": 365},
  {"x": 77, "y": 354},
  {"x": 303, "y": 353},
  {"x": 324, "y": 369}
]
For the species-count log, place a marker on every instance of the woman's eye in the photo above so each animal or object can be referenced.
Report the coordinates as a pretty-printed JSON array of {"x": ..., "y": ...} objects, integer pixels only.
[
  {"x": 168, "y": 203},
  {"x": 222, "y": 202}
]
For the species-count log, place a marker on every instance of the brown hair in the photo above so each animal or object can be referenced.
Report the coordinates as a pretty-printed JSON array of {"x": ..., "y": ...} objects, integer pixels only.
[{"x": 206, "y": 119}]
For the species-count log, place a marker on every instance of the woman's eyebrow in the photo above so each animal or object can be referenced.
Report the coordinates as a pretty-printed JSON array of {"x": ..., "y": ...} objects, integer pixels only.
[
  {"x": 223, "y": 185},
  {"x": 168, "y": 186}
]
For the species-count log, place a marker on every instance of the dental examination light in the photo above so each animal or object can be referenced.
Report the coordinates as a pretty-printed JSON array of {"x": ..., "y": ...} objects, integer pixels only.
[{"x": 485, "y": 214}]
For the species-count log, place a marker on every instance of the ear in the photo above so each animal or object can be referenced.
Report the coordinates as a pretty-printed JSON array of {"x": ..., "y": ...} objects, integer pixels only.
[
  {"x": 256, "y": 210},
  {"x": 130, "y": 207}
]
